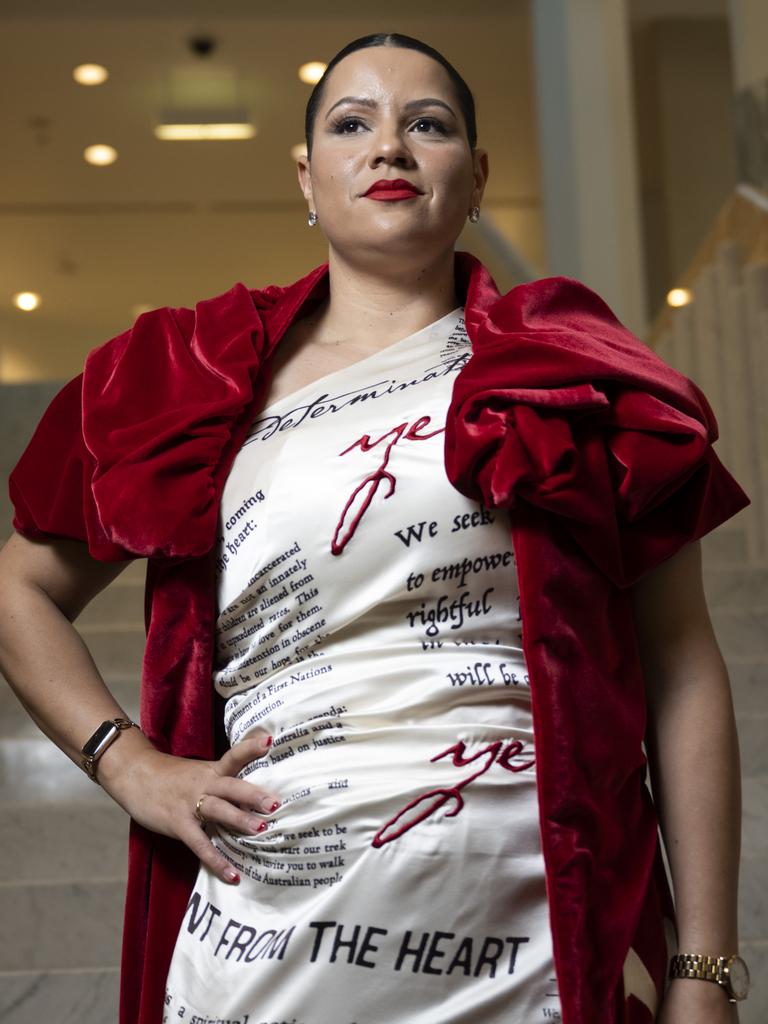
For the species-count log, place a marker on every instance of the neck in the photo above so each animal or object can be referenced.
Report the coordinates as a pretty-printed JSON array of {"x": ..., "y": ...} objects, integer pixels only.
[{"x": 371, "y": 310}]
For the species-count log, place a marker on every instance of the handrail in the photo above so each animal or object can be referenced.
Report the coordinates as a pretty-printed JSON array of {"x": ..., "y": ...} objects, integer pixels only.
[{"x": 720, "y": 340}]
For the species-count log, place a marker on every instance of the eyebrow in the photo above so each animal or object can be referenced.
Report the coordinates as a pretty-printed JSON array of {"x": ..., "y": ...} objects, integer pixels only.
[{"x": 363, "y": 101}]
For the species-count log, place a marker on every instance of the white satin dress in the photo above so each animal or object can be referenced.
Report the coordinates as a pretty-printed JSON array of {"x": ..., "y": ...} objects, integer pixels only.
[{"x": 369, "y": 621}]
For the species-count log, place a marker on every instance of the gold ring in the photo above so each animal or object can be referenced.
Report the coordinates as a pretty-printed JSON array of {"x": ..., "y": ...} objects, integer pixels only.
[{"x": 198, "y": 812}]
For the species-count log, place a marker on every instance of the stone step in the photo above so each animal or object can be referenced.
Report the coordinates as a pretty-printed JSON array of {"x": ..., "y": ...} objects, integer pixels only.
[
  {"x": 754, "y": 798},
  {"x": 16, "y": 723},
  {"x": 117, "y": 647},
  {"x": 122, "y": 603},
  {"x": 91, "y": 840},
  {"x": 754, "y": 1010},
  {"x": 92, "y": 909},
  {"x": 731, "y": 569},
  {"x": 725, "y": 586},
  {"x": 736, "y": 586},
  {"x": 91, "y": 996},
  {"x": 752, "y": 730},
  {"x": 116, "y": 650},
  {"x": 748, "y": 676},
  {"x": 56, "y": 842},
  {"x": 753, "y": 897},
  {"x": 727, "y": 544},
  {"x": 69, "y": 996},
  {"x": 62, "y": 924},
  {"x": 749, "y": 683},
  {"x": 34, "y": 769},
  {"x": 741, "y": 631}
]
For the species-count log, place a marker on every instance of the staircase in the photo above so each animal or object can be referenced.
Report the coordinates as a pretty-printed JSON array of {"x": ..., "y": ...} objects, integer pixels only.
[
  {"x": 737, "y": 595},
  {"x": 64, "y": 848},
  {"x": 63, "y": 853}
]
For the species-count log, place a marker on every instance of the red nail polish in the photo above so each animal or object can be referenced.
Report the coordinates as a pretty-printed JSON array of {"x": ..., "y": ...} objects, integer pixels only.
[
  {"x": 274, "y": 806},
  {"x": 268, "y": 741},
  {"x": 262, "y": 827},
  {"x": 232, "y": 875}
]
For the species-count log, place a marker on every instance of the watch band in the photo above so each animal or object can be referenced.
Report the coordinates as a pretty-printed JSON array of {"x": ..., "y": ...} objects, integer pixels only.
[
  {"x": 718, "y": 969},
  {"x": 100, "y": 740}
]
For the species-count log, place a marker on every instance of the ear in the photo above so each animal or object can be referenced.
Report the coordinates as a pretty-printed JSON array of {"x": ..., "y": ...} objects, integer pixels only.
[
  {"x": 305, "y": 178},
  {"x": 481, "y": 170}
]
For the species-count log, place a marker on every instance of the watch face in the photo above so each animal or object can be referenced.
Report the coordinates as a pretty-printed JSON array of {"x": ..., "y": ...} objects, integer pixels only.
[
  {"x": 100, "y": 739},
  {"x": 738, "y": 976}
]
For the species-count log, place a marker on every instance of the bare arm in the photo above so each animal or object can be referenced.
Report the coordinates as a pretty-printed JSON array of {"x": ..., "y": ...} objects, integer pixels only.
[
  {"x": 694, "y": 765},
  {"x": 46, "y": 584}
]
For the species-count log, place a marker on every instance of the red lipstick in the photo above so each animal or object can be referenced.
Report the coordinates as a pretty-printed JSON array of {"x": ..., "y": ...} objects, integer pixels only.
[{"x": 391, "y": 189}]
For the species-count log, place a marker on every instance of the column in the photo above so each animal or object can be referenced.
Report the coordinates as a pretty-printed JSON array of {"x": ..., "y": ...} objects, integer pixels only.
[{"x": 587, "y": 144}]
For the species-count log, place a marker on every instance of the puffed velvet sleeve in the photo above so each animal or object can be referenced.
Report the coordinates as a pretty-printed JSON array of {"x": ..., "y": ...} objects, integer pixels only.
[
  {"x": 131, "y": 455},
  {"x": 562, "y": 407},
  {"x": 50, "y": 485}
]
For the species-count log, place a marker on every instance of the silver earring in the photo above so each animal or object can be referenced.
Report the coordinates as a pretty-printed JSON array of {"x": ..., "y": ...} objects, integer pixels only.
[
  {"x": 474, "y": 214},
  {"x": 312, "y": 218}
]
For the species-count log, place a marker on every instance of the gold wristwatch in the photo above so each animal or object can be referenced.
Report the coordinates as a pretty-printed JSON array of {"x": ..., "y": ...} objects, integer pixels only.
[
  {"x": 728, "y": 971},
  {"x": 104, "y": 737}
]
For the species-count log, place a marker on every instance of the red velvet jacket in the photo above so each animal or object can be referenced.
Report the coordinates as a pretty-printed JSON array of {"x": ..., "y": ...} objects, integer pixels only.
[{"x": 602, "y": 454}]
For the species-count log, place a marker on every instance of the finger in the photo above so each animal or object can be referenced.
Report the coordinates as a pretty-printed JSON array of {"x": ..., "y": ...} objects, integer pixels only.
[
  {"x": 259, "y": 733},
  {"x": 238, "y": 791},
  {"x": 222, "y": 812},
  {"x": 252, "y": 748},
  {"x": 199, "y": 843}
]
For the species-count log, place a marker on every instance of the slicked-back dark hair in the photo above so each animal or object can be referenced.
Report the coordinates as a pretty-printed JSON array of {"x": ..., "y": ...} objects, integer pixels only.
[{"x": 463, "y": 92}]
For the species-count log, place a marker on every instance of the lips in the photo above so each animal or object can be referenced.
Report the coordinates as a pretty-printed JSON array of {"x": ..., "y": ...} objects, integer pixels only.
[{"x": 392, "y": 188}]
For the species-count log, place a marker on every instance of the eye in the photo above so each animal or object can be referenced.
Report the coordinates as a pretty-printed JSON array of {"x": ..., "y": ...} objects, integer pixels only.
[
  {"x": 339, "y": 127},
  {"x": 432, "y": 120}
]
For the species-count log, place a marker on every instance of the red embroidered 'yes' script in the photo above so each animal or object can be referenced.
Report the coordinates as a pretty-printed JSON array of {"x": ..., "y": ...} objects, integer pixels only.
[
  {"x": 434, "y": 799},
  {"x": 402, "y": 432}
]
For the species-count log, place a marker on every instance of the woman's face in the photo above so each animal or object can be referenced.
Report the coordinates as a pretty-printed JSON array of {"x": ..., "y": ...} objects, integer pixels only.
[{"x": 403, "y": 121}]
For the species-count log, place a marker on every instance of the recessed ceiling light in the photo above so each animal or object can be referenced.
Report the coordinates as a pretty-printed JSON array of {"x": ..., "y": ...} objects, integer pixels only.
[
  {"x": 100, "y": 155},
  {"x": 231, "y": 122},
  {"x": 679, "y": 297},
  {"x": 26, "y": 301},
  {"x": 197, "y": 132},
  {"x": 312, "y": 71},
  {"x": 90, "y": 74}
]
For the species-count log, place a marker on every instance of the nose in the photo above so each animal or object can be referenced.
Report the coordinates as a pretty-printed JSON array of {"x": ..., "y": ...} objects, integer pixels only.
[{"x": 388, "y": 145}]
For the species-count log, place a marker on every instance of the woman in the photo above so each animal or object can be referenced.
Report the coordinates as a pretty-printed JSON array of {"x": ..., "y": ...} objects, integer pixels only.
[{"x": 372, "y": 847}]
